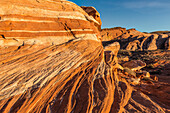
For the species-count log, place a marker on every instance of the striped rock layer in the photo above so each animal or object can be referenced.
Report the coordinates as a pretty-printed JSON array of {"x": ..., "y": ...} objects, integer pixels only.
[
  {"x": 52, "y": 60},
  {"x": 91, "y": 11},
  {"x": 43, "y": 21}
]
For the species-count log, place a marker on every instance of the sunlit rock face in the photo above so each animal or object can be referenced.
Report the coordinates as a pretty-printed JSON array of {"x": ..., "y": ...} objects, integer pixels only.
[
  {"x": 52, "y": 60},
  {"x": 91, "y": 11},
  {"x": 49, "y": 54},
  {"x": 42, "y": 22},
  {"x": 132, "y": 39}
]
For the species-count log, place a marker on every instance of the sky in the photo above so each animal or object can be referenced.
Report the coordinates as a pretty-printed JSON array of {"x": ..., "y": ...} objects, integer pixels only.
[{"x": 144, "y": 15}]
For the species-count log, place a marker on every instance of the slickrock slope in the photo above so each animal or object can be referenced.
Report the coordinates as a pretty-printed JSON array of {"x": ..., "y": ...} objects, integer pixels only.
[
  {"x": 49, "y": 54},
  {"x": 52, "y": 60},
  {"x": 134, "y": 40}
]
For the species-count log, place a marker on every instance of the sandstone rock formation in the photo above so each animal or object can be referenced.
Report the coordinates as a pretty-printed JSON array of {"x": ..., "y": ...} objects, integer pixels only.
[
  {"x": 52, "y": 60},
  {"x": 113, "y": 33},
  {"x": 134, "y": 65},
  {"x": 167, "y": 43},
  {"x": 132, "y": 39},
  {"x": 154, "y": 78},
  {"x": 91, "y": 11},
  {"x": 151, "y": 45},
  {"x": 134, "y": 45},
  {"x": 114, "y": 48},
  {"x": 48, "y": 56}
]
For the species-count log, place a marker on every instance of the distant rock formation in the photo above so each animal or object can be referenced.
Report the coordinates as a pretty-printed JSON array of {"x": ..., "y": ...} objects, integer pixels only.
[
  {"x": 113, "y": 33},
  {"x": 134, "y": 40},
  {"x": 52, "y": 60}
]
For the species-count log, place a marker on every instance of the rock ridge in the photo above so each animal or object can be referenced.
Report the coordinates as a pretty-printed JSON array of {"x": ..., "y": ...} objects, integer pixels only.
[{"x": 132, "y": 39}]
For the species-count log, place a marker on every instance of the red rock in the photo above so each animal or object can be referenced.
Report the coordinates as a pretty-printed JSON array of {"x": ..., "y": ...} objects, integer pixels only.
[
  {"x": 91, "y": 11},
  {"x": 112, "y": 34},
  {"x": 132, "y": 39},
  {"x": 52, "y": 60},
  {"x": 43, "y": 22},
  {"x": 135, "y": 105},
  {"x": 46, "y": 47},
  {"x": 135, "y": 45},
  {"x": 150, "y": 43},
  {"x": 134, "y": 32},
  {"x": 134, "y": 65},
  {"x": 114, "y": 48},
  {"x": 125, "y": 35},
  {"x": 164, "y": 35}
]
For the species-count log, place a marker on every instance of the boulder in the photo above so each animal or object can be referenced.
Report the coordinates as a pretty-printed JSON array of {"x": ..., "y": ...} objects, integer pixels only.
[
  {"x": 134, "y": 65},
  {"x": 134, "y": 81},
  {"x": 129, "y": 71}
]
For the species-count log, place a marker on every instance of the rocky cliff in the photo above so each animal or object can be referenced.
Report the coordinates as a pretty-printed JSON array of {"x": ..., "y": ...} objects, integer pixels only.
[
  {"x": 132, "y": 39},
  {"x": 52, "y": 60}
]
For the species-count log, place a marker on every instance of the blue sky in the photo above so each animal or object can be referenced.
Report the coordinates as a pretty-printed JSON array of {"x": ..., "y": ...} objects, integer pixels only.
[{"x": 144, "y": 15}]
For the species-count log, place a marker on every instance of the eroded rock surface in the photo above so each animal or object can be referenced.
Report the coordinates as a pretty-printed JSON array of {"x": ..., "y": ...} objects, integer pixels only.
[
  {"x": 91, "y": 11},
  {"x": 49, "y": 54},
  {"x": 132, "y": 39},
  {"x": 134, "y": 64},
  {"x": 52, "y": 60}
]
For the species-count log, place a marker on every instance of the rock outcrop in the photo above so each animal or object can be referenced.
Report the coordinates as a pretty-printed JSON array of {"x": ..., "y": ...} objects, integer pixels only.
[
  {"x": 49, "y": 54},
  {"x": 91, "y": 11},
  {"x": 52, "y": 60},
  {"x": 114, "y": 48},
  {"x": 113, "y": 33},
  {"x": 134, "y": 65},
  {"x": 134, "y": 45},
  {"x": 132, "y": 39}
]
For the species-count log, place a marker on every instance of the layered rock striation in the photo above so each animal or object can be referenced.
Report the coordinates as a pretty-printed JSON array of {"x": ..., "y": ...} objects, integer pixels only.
[
  {"x": 52, "y": 60},
  {"x": 48, "y": 56},
  {"x": 43, "y": 21},
  {"x": 91, "y": 11}
]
